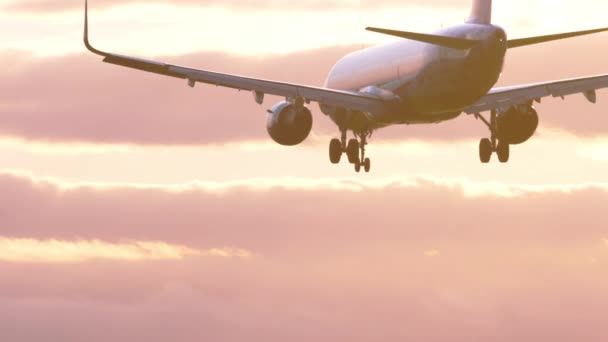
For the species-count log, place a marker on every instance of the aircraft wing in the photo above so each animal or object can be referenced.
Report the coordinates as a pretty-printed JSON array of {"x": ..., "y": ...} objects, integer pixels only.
[
  {"x": 505, "y": 97},
  {"x": 336, "y": 98}
]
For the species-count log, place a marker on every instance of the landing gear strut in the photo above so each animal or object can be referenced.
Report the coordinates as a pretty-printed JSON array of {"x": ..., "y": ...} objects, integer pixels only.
[
  {"x": 487, "y": 146},
  {"x": 360, "y": 160},
  {"x": 353, "y": 148}
]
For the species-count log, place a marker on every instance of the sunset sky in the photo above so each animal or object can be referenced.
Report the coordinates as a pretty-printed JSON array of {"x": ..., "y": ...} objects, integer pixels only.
[{"x": 134, "y": 208}]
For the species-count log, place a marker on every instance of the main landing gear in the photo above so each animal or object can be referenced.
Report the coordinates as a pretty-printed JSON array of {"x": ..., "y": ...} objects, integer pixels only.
[
  {"x": 487, "y": 146},
  {"x": 354, "y": 150}
]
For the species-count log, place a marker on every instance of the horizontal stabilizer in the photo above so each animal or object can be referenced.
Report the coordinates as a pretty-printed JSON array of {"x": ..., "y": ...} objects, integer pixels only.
[
  {"x": 451, "y": 42},
  {"x": 513, "y": 43}
]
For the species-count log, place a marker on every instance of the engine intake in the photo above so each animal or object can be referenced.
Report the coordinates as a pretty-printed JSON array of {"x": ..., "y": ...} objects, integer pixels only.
[
  {"x": 517, "y": 125},
  {"x": 287, "y": 125}
]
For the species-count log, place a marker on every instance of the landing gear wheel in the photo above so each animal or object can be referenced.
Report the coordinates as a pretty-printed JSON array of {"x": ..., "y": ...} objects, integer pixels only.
[
  {"x": 335, "y": 151},
  {"x": 358, "y": 167},
  {"x": 352, "y": 151},
  {"x": 485, "y": 150},
  {"x": 367, "y": 164},
  {"x": 503, "y": 152}
]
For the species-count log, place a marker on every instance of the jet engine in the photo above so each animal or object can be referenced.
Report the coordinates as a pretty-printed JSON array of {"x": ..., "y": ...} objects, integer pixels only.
[
  {"x": 517, "y": 125},
  {"x": 289, "y": 124}
]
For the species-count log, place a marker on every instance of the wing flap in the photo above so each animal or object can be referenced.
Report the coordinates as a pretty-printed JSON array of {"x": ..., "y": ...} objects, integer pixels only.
[
  {"x": 343, "y": 99},
  {"x": 505, "y": 97},
  {"x": 141, "y": 64}
]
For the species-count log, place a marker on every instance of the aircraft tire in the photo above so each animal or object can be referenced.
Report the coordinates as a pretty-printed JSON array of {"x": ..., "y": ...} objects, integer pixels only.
[
  {"x": 367, "y": 164},
  {"x": 485, "y": 150},
  {"x": 503, "y": 152},
  {"x": 335, "y": 151},
  {"x": 352, "y": 151}
]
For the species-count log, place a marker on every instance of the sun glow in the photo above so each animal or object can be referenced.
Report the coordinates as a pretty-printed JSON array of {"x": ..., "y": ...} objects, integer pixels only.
[{"x": 62, "y": 251}]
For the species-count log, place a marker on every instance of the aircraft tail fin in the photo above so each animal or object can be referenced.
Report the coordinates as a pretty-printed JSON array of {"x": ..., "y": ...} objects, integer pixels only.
[{"x": 481, "y": 13}]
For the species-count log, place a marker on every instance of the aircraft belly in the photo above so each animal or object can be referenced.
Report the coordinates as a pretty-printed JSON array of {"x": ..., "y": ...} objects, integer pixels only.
[{"x": 399, "y": 114}]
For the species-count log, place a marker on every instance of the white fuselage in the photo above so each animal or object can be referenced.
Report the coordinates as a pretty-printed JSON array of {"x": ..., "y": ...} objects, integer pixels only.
[{"x": 427, "y": 83}]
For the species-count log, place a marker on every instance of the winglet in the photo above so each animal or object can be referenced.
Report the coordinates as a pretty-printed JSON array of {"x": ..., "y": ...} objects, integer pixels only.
[{"x": 86, "y": 32}]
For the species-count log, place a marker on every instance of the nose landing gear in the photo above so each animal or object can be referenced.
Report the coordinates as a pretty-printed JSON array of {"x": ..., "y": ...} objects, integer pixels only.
[{"x": 354, "y": 150}]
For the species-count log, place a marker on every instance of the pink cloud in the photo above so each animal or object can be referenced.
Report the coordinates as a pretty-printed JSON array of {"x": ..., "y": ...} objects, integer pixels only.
[
  {"x": 53, "y": 251},
  {"x": 329, "y": 264},
  {"x": 270, "y": 220},
  {"x": 300, "y": 313}
]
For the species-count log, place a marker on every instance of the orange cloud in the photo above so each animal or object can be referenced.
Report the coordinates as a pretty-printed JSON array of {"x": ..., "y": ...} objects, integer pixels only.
[
  {"x": 57, "y": 251},
  {"x": 204, "y": 215},
  {"x": 62, "y": 5}
]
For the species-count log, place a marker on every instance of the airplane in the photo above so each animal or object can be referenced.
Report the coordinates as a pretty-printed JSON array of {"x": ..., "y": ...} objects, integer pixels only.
[{"x": 418, "y": 79}]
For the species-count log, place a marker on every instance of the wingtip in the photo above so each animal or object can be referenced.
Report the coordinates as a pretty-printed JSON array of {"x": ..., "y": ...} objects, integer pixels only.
[{"x": 86, "y": 23}]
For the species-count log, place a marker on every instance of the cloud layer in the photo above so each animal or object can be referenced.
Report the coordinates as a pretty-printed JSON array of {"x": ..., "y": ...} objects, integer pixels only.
[
  {"x": 272, "y": 213},
  {"x": 58, "y": 251},
  {"x": 415, "y": 259}
]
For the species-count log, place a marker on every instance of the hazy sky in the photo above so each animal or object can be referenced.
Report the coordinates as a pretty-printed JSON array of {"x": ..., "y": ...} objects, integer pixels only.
[{"x": 134, "y": 208}]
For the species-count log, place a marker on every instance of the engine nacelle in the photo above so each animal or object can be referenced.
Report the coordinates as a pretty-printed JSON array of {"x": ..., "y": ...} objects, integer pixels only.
[
  {"x": 517, "y": 125},
  {"x": 287, "y": 125}
]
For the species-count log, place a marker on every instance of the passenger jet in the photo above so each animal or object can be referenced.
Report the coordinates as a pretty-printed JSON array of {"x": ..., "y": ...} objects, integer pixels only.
[{"x": 418, "y": 79}]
